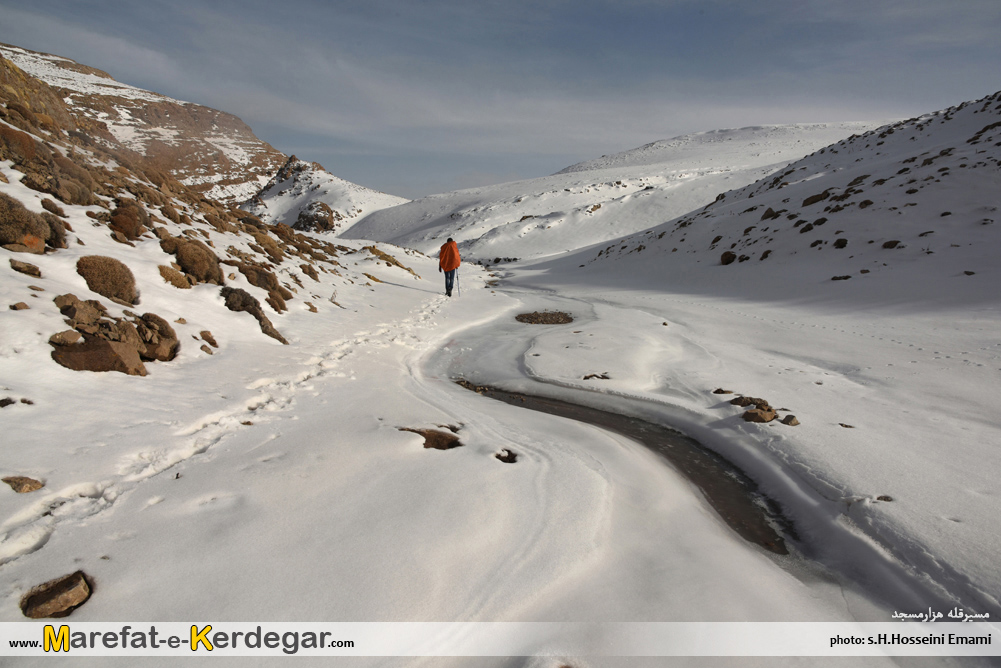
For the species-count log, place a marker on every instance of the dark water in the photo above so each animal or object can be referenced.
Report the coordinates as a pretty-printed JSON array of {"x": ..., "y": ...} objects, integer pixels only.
[{"x": 728, "y": 490}]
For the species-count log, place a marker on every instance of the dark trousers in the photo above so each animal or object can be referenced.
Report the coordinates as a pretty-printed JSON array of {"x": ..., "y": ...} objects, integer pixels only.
[{"x": 449, "y": 278}]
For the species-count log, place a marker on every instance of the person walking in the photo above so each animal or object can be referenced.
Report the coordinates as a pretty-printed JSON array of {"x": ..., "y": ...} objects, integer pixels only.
[{"x": 448, "y": 262}]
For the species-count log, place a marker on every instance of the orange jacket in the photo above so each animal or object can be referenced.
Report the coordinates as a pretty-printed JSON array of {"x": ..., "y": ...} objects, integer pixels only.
[{"x": 448, "y": 256}]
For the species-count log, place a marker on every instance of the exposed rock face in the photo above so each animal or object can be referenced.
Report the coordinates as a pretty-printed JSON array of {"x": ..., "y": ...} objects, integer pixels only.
[
  {"x": 110, "y": 344},
  {"x": 210, "y": 151},
  {"x": 317, "y": 217},
  {"x": 56, "y": 598},
  {"x": 241, "y": 300}
]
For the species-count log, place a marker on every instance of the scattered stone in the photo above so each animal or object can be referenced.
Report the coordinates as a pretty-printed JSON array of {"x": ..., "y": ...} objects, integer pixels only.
[
  {"x": 864, "y": 271},
  {"x": 840, "y": 278},
  {"x": 846, "y": 426},
  {"x": 602, "y": 376},
  {"x": 181, "y": 321},
  {"x": 206, "y": 349},
  {"x": 720, "y": 390},
  {"x": 438, "y": 440},
  {"x": 545, "y": 318},
  {"x": 758, "y": 415},
  {"x": 6, "y": 401},
  {"x": 20, "y": 306},
  {"x": 813, "y": 199},
  {"x": 22, "y": 484},
  {"x": 208, "y": 338},
  {"x": 25, "y": 268},
  {"x": 665, "y": 325},
  {"x": 56, "y": 598},
  {"x": 36, "y": 288},
  {"x": 757, "y": 402},
  {"x": 891, "y": 244},
  {"x": 311, "y": 307},
  {"x": 247, "y": 423},
  {"x": 790, "y": 420},
  {"x": 969, "y": 273},
  {"x": 840, "y": 243},
  {"x": 884, "y": 497},
  {"x": 507, "y": 456},
  {"x": 727, "y": 257}
]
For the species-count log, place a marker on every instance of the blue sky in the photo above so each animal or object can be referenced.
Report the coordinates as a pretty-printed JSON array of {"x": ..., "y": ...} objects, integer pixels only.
[{"x": 421, "y": 96}]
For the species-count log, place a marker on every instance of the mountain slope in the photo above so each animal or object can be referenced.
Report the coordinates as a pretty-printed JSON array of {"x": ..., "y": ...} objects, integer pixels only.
[
  {"x": 600, "y": 199},
  {"x": 307, "y": 197},
  {"x": 917, "y": 197},
  {"x": 213, "y": 152}
]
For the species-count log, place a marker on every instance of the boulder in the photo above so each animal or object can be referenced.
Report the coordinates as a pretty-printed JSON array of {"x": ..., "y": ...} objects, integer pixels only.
[
  {"x": 158, "y": 339},
  {"x": 758, "y": 415},
  {"x": 790, "y": 420},
  {"x": 97, "y": 354},
  {"x": 56, "y": 598},
  {"x": 727, "y": 257},
  {"x": 22, "y": 484}
]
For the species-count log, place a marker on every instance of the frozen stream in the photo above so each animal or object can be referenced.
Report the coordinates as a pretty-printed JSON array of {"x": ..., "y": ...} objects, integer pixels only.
[{"x": 824, "y": 548}]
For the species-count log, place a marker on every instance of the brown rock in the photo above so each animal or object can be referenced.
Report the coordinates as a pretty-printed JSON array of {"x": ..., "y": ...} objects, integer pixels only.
[
  {"x": 208, "y": 338},
  {"x": 56, "y": 598},
  {"x": 891, "y": 244},
  {"x": 206, "y": 349},
  {"x": 790, "y": 420},
  {"x": 751, "y": 401},
  {"x": 240, "y": 300},
  {"x": 439, "y": 440},
  {"x": 20, "y": 306},
  {"x": 159, "y": 341},
  {"x": 65, "y": 338},
  {"x": 758, "y": 415},
  {"x": 96, "y": 354},
  {"x": 727, "y": 257},
  {"x": 720, "y": 390},
  {"x": 23, "y": 485},
  {"x": 507, "y": 456},
  {"x": 25, "y": 268}
]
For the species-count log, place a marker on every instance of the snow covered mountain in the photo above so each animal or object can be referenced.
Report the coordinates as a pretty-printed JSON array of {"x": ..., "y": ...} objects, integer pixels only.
[
  {"x": 305, "y": 196},
  {"x": 600, "y": 199},
  {"x": 914, "y": 198}
]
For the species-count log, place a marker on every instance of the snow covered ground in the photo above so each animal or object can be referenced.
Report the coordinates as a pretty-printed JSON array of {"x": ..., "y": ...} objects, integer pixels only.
[{"x": 269, "y": 482}]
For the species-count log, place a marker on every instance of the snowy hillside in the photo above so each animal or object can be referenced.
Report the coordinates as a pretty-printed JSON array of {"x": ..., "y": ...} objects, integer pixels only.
[
  {"x": 305, "y": 196},
  {"x": 917, "y": 198},
  {"x": 600, "y": 199}
]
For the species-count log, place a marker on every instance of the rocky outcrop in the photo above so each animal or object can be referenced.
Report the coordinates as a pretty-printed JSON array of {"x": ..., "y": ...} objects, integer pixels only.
[
  {"x": 99, "y": 342},
  {"x": 241, "y": 300}
]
